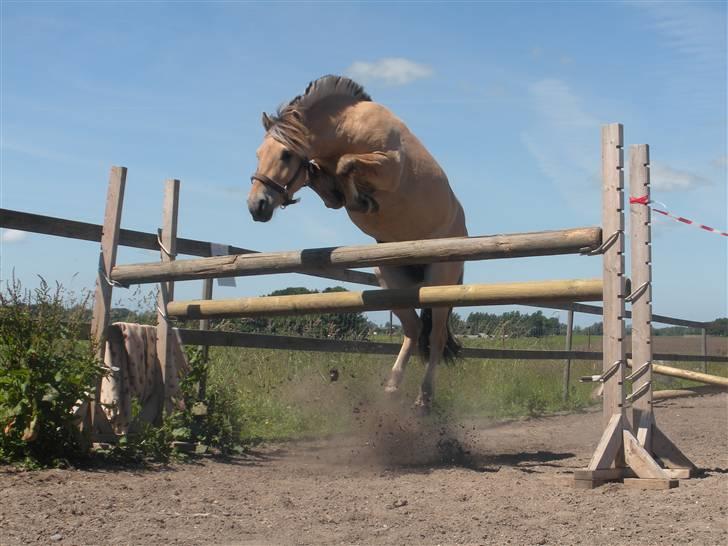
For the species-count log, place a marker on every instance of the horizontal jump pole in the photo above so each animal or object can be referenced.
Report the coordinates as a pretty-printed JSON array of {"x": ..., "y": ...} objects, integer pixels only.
[
  {"x": 84, "y": 231},
  {"x": 691, "y": 375},
  {"x": 454, "y": 249},
  {"x": 401, "y": 298}
]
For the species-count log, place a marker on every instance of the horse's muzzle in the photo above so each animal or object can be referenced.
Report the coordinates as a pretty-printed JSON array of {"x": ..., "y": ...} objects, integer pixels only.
[{"x": 261, "y": 208}]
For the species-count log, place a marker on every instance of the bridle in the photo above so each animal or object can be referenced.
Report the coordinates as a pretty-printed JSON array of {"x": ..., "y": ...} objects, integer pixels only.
[{"x": 311, "y": 168}]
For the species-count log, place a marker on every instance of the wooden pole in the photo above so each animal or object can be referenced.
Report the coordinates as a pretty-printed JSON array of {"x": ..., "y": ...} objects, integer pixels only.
[
  {"x": 691, "y": 375},
  {"x": 205, "y": 325},
  {"x": 704, "y": 335},
  {"x": 567, "y": 367},
  {"x": 641, "y": 249},
  {"x": 611, "y": 448},
  {"x": 613, "y": 268},
  {"x": 378, "y": 300},
  {"x": 168, "y": 248},
  {"x": 102, "y": 296},
  {"x": 455, "y": 249}
]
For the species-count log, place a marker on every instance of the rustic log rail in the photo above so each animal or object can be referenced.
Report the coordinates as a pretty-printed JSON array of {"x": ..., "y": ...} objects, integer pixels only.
[
  {"x": 455, "y": 249},
  {"x": 379, "y": 300}
]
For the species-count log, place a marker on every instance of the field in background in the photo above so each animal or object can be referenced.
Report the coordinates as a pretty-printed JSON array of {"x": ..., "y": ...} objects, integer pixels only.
[{"x": 290, "y": 394}]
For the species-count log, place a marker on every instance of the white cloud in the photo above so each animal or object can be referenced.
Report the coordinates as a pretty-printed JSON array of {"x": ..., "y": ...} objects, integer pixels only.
[
  {"x": 554, "y": 100},
  {"x": 696, "y": 33},
  {"x": 696, "y": 30},
  {"x": 389, "y": 71},
  {"x": 721, "y": 161},
  {"x": 666, "y": 178},
  {"x": 12, "y": 235},
  {"x": 564, "y": 140}
]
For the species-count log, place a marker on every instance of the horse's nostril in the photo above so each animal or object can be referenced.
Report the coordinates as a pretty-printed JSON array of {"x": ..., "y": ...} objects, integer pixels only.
[{"x": 261, "y": 205}]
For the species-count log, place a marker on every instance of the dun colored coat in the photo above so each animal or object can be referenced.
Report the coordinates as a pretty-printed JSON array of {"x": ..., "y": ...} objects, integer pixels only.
[{"x": 356, "y": 154}]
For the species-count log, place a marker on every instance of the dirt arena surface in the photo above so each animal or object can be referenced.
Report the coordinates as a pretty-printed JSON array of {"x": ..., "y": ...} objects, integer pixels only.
[{"x": 475, "y": 483}]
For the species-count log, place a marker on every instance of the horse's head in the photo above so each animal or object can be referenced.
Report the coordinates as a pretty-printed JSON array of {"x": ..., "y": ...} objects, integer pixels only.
[{"x": 280, "y": 173}]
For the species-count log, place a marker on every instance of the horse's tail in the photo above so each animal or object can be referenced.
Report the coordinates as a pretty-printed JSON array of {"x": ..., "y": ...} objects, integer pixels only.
[{"x": 452, "y": 345}]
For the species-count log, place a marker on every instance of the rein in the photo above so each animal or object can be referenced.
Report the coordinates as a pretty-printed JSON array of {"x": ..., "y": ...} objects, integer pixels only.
[{"x": 311, "y": 167}]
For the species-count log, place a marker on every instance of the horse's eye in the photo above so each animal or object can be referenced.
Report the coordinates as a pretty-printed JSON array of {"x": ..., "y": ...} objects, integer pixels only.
[{"x": 285, "y": 155}]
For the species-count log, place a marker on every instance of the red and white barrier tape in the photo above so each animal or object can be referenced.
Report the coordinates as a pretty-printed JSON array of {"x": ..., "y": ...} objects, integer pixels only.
[{"x": 644, "y": 201}]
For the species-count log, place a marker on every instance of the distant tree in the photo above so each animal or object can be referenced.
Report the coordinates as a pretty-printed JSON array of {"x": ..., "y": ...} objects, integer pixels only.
[
  {"x": 719, "y": 327},
  {"x": 324, "y": 325},
  {"x": 457, "y": 324}
]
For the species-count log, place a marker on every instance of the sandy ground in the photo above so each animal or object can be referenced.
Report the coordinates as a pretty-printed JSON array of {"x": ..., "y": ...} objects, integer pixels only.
[{"x": 394, "y": 481}]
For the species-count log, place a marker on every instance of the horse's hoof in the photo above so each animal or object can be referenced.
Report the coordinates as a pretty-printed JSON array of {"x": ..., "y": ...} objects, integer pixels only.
[
  {"x": 422, "y": 407},
  {"x": 391, "y": 389}
]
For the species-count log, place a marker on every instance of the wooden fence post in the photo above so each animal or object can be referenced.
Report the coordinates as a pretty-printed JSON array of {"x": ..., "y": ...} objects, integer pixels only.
[
  {"x": 168, "y": 248},
  {"x": 102, "y": 296},
  {"x": 567, "y": 366},
  {"x": 205, "y": 325},
  {"x": 704, "y": 333}
]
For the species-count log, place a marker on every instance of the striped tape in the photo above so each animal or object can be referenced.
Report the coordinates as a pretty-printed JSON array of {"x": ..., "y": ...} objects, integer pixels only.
[{"x": 645, "y": 201}]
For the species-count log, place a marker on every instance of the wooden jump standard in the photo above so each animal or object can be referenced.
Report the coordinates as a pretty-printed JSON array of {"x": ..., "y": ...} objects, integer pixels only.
[
  {"x": 380, "y": 300},
  {"x": 629, "y": 452}
]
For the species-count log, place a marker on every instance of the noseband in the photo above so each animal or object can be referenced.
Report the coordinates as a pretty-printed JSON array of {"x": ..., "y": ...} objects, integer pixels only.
[{"x": 311, "y": 167}]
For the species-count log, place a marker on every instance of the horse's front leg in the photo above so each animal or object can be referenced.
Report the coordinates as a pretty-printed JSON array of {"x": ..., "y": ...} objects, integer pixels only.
[
  {"x": 411, "y": 332},
  {"x": 401, "y": 277},
  {"x": 360, "y": 175}
]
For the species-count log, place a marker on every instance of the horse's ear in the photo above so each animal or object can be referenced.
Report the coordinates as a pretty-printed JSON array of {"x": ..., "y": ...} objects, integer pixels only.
[{"x": 267, "y": 121}]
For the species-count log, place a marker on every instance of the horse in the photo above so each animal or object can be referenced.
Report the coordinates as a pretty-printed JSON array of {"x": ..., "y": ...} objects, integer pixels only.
[{"x": 356, "y": 154}]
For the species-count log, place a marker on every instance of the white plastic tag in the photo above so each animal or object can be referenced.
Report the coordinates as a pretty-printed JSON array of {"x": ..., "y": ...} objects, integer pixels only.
[{"x": 217, "y": 249}]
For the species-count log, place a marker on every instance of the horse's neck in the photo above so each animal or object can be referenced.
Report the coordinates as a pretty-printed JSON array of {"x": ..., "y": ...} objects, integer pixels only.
[{"x": 323, "y": 122}]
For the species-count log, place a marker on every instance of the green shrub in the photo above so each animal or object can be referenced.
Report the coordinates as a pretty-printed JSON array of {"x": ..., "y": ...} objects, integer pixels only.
[{"x": 44, "y": 372}]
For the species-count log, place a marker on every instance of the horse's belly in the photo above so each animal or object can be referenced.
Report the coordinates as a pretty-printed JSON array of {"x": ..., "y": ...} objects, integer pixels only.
[{"x": 404, "y": 224}]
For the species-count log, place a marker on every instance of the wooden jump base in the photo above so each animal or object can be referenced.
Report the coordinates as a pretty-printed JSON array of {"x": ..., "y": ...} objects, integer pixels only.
[
  {"x": 626, "y": 452},
  {"x": 456, "y": 249},
  {"x": 378, "y": 300}
]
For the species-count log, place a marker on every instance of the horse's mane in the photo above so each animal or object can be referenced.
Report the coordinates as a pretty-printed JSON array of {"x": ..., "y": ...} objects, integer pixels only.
[{"x": 287, "y": 124}]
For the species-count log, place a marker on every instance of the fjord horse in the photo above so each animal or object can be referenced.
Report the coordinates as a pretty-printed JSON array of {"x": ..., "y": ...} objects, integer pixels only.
[{"x": 355, "y": 153}]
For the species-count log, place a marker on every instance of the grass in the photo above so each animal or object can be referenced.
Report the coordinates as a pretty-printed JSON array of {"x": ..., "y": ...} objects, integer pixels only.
[
  {"x": 286, "y": 394},
  {"x": 289, "y": 394}
]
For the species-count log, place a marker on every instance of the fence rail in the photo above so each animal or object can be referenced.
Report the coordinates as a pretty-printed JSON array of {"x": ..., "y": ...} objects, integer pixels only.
[
  {"x": 215, "y": 338},
  {"x": 72, "y": 229}
]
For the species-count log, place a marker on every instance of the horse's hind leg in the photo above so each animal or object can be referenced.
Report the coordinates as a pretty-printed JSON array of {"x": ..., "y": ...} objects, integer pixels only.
[
  {"x": 435, "y": 275},
  {"x": 393, "y": 277}
]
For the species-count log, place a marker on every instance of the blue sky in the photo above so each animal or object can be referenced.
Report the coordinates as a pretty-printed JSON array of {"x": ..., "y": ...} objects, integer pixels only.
[{"x": 509, "y": 97}]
